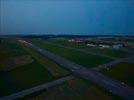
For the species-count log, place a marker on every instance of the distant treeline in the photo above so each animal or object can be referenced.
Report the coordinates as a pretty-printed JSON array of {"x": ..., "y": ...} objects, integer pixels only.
[{"x": 70, "y": 36}]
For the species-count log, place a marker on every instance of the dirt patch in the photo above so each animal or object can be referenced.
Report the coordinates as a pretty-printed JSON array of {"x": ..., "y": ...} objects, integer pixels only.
[{"x": 15, "y": 62}]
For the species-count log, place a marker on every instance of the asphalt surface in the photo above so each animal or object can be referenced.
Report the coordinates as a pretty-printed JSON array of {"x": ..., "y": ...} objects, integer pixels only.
[
  {"x": 113, "y": 86},
  {"x": 110, "y": 64},
  {"x": 23, "y": 93}
]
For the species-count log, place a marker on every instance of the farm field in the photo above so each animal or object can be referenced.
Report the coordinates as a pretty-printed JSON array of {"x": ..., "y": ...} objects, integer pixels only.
[
  {"x": 76, "y": 89},
  {"x": 83, "y": 59},
  {"x": 123, "y": 72},
  {"x": 105, "y": 51}
]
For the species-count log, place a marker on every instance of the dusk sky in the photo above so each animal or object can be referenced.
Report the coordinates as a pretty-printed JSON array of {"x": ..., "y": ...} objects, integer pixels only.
[{"x": 67, "y": 17}]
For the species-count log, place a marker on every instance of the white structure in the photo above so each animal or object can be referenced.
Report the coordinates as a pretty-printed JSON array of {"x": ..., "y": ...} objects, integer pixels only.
[
  {"x": 117, "y": 46},
  {"x": 91, "y": 45},
  {"x": 104, "y": 46},
  {"x": 71, "y": 40}
]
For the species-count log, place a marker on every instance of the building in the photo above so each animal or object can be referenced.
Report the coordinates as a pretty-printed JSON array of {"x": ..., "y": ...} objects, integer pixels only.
[
  {"x": 71, "y": 40},
  {"x": 77, "y": 40},
  {"x": 117, "y": 46},
  {"x": 104, "y": 46},
  {"x": 91, "y": 45}
]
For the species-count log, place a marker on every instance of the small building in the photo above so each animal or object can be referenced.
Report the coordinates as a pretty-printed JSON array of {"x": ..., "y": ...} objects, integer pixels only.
[
  {"x": 71, "y": 40},
  {"x": 78, "y": 40},
  {"x": 91, "y": 45},
  {"x": 117, "y": 46},
  {"x": 104, "y": 46}
]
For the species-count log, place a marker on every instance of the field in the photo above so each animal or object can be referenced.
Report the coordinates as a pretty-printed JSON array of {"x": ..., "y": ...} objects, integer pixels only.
[
  {"x": 111, "y": 52},
  {"x": 9, "y": 49},
  {"x": 27, "y": 75},
  {"x": 55, "y": 69},
  {"x": 106, "y": 51},
  {"x": 83, "y": 59},
  {"x": 25, "y": 68},
  {"x": 76, "y": 89},
  {"x": 23, "y": 77},
  {"x": 65, "y": 42},
  {"x": 14, "y": 62},
  {"x": 123, "y": 72}
]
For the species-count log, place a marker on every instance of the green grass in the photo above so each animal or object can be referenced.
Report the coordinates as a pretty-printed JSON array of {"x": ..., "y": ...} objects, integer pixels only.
[
  {"x": 123, "y": 72},
  {"x": 8, "y": 48},
  {"x": 22, "y": 78},
  {"x": 55, "y": 69},
  {"x": 66, "y": 43},
  {"x": 76, "y": 89},
  {"x": 110, "y": 52},
  {"x": 13, "y": 47},
  {"x": 83, "y": 59}
]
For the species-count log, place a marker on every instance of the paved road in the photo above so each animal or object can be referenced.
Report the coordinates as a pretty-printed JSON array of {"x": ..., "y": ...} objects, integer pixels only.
[
  {"x": 110, "y": 64},
  {"x": 37, "y": 88},
  {"x": 115, "y": 87}
]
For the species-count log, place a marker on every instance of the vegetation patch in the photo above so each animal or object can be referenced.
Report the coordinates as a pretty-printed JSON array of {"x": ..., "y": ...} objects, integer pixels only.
[
  {"x": 123, "y": 72},
  {"x": 20, "y": 71},
  {"x": 15, "y": 62},
  {"x": 76, "y": 89},
  {"x": 111, "y": 52},
  {"x": 23, "y": 77},
  {"x": 9, "y": 49},
  {"x": 55, "y": 69}
]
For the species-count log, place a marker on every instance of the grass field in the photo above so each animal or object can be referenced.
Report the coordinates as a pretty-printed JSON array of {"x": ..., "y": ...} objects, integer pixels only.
[
  {"x": 23, "y": 77},
  {"x": 109, "y": 52},
  {"x": 8, "y": 49},
  {"x": 65, "y": 42},
  {"x": 55, "y": 69},
  {"x": 76, "y": 89},
  {"x": 123, "y": 72},
  {"x": 83, "y": 59}
]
